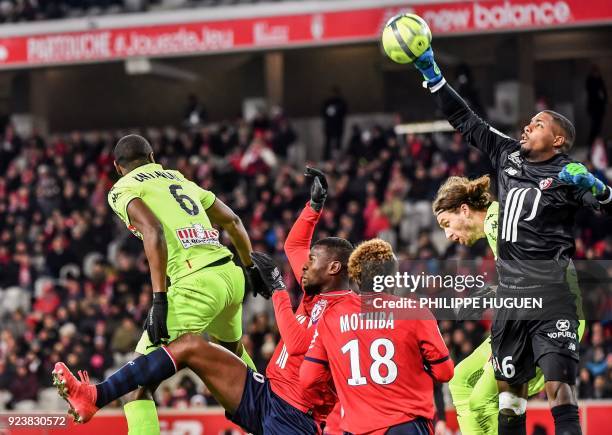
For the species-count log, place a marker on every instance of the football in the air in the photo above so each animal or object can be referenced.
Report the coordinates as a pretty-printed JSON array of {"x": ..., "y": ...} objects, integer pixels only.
[{"x": 406, "y": 37}]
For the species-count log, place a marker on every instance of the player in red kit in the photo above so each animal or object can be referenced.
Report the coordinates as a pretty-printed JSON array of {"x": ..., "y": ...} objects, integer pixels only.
[
  {"x": 383, "y": 367},
  {"x": 317, "y": 269}
]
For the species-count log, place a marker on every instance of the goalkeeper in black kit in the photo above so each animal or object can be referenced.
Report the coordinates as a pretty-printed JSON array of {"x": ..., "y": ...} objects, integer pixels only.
[{"x": 540, "y": 190}]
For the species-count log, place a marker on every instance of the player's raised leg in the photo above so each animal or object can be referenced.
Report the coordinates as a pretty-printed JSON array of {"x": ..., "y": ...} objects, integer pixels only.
[
  {"x": 209, "y": 300},
  {"x": 222, "y": 371}
]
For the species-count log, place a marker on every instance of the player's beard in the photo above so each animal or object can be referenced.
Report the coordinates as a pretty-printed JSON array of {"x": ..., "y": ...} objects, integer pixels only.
[
  {"x": 524, "y": 152},
  {"x": 312, "y": 289}
]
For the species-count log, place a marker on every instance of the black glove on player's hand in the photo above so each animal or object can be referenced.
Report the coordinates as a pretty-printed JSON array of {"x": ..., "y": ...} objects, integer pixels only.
[
  {"x": 254, "y": 281},
  {"x": 270, "y": 274},
  {"x": 318, "y": 189},
  {"x": 155, "y": 325}
]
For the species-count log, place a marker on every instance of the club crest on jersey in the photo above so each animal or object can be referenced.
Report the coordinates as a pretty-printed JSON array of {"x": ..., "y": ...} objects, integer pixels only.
[
  {"x": 317, "y": 310},
  {"x": 515, "y": 158},
  {"x": 197, "y": 235},
  {"x": 545, "y": 183}
]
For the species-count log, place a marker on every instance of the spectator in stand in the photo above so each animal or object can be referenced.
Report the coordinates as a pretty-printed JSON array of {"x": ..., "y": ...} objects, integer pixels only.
[
  {"x": 48, "y": 302},
  {"x": 597, "y": 100},
  {"x": 257, "y": 158},
  {"x": 282, "y": 136},
  {"x": 6, "y": 375},
  {"x": 125, "y": 336},
  {"x": 333, "y": 113},
  {"x": 24, "y": 386},
  {"x": 376, "y": 222},
  {"x": 101, "y": 358},
  {"x": 417, "y": 208},
  {"x": 195, "y": 112}
]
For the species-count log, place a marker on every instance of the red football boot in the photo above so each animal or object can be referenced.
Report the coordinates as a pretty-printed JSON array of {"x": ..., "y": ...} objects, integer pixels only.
[{"x": 80, "y": 394}]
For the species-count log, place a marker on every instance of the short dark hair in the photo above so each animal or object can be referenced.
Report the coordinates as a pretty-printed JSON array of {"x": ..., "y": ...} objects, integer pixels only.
[
  {"x": 132, "y": 149},
  {"x": 566, "y": 126},
  {"x": 339, "y": 248}
]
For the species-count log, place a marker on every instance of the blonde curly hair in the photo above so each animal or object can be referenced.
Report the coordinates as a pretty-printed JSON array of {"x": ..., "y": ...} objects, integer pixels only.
[
  {"x": 370, "y": 258},
  {"x": 461, "y": 190}
]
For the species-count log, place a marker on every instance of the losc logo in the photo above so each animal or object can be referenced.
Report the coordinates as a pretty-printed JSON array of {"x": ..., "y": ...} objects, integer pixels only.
[
  {"x": 545, "y": 183},
  {"x": 317, "y": 310},
  {"x": 563, "y": 325}
]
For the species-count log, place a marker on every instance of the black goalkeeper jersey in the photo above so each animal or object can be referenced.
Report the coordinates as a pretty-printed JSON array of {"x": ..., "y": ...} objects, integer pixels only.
[{"x": 535, "y": 240}]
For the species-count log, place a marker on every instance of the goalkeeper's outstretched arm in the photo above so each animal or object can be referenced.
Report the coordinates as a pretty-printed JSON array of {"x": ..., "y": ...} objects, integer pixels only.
[{"x": 474, "y": 129}]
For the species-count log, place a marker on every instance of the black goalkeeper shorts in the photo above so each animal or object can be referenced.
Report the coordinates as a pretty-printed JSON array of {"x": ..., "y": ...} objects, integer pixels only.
[{"x": 519, "y": 341}]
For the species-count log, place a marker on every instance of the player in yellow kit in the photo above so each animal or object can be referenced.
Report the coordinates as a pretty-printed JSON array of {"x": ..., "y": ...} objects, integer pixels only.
[
  {"x": 173, "y": 217},
  {"x": 465, "y": 210}
]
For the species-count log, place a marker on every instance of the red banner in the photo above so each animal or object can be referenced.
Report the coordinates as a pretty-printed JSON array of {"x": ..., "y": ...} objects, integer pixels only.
[{"x": 284, "y": 31}]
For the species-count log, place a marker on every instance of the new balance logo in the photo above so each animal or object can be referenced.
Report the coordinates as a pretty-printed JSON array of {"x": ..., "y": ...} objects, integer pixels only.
[
  {"x": 515, "y": 158},
  {"x": 514, "y": 207},
  {"x": 511, "y": 171}
]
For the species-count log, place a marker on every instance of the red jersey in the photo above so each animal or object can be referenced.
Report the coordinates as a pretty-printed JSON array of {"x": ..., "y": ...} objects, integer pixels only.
[
  {"x": 296, "y": 329},
  {"x": 377, "y": 363}
]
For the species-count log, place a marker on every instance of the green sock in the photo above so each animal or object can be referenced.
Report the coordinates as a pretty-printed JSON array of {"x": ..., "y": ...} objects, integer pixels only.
[
  {"x": 142, "y": 418},
  {"x": 247, "y": 359}
]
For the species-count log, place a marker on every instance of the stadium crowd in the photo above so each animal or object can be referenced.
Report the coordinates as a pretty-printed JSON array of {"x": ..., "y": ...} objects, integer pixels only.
[{"x": 75, "y": 283}]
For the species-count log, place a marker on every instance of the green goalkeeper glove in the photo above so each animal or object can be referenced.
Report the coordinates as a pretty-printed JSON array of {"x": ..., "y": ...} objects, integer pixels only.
[{"x": 578, "y": 175}]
